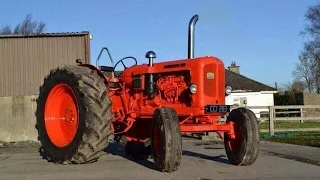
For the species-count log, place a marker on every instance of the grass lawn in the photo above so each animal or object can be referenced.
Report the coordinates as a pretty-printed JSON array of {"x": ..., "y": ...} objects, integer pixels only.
[
  {"x": 300, "y": 138},
  {"x": 296, "y": 124}
]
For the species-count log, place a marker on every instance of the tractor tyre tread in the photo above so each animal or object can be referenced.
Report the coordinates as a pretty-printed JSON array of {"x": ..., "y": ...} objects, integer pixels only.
[
  {"x": 171, "y": 150},
  {"x": 249, "y": 148},
  {"x": 177, "y": 140},
  {"x": 95, "y": 117},
  {"x": 255, "y": 142}
]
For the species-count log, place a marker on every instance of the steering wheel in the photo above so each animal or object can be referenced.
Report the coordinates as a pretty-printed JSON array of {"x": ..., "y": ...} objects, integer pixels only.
[{"x": 125, "y": 67}]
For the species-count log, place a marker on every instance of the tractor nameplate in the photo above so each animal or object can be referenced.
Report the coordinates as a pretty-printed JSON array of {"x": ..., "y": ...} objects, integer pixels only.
[
  {"x": 217, "y": 108},
  {"x": 210, "y": 75}
]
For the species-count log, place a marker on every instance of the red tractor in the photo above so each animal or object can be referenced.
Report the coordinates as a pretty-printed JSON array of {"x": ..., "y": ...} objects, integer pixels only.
[{"x": 145, "y": 107}]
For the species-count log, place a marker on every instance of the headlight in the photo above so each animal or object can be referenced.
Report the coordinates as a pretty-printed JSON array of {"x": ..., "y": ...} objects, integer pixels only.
[
  {"x": 193, "y": 88},
  {"x": 228, "y": 90}
]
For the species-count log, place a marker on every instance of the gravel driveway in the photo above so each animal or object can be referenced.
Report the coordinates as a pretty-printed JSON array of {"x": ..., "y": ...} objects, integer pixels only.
[{"x": 201, "y": 161}]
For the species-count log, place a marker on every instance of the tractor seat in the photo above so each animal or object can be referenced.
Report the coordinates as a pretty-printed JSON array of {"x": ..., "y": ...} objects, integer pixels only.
[{"x": 106, "y": 68}]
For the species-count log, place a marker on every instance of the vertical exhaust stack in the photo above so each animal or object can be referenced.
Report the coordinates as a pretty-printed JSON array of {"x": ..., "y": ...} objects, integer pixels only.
[{"x": 192, "y": 24}]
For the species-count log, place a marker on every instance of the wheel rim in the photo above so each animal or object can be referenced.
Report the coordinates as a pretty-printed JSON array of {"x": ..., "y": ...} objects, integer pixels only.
[
  {"x": 61, "y": 115},
  {"x": 235, "y": 143},
  {"x": 156, "y": 141}
]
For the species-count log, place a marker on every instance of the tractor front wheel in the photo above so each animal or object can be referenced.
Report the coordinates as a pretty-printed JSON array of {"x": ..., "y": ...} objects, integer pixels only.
[
  {"x": 73, "y": 115},
  {"x": 166, "y": 140},
  {"x": 243, "y": 148}
]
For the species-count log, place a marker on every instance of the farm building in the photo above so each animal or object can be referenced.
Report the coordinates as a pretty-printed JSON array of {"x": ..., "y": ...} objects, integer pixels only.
[
  {"x": 24, "y": 62},
  {"x": 248, "y": 92}
]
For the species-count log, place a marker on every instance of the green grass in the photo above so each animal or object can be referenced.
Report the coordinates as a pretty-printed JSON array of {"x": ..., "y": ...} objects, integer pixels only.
[
  {"x": 296, "y": 124},
  {"x": 299, "y": 138}
]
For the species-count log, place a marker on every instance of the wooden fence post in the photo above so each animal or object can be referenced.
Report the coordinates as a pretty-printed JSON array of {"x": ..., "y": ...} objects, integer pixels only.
[
  {"x": 302, "y": 115},
  {"x": 271, "y": 122}
]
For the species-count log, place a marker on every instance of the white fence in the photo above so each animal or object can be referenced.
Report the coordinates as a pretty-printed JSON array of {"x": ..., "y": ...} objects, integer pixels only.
[{"x": 299, "y": 113}]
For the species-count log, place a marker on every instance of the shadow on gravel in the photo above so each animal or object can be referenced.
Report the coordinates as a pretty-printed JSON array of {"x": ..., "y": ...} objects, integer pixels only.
[
  {"x": 213, "y": 148},
  {"x": 295, "y": 158},
  {"x": 220, "y": 158},
  {"x": 148, "y": 163},
  {"x": 113, "y": 149}
]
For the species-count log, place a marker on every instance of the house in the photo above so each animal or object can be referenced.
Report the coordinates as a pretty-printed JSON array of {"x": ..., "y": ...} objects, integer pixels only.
[{"x": 248, "y": 92}]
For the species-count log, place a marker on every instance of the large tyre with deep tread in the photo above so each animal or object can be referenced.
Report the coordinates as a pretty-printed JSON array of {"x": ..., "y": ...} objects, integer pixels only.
[
  {"x": 244, "y": 148},
  {"x": 73, "y": 115},
  {"x": 166, "y": 140}
]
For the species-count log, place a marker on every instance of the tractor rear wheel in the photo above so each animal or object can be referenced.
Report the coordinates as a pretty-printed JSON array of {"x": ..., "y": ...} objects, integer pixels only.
[
  {"x": 243, "y": 149},
  {"x": 166, "y": 140},
  {"x": 73, "y": 115}
]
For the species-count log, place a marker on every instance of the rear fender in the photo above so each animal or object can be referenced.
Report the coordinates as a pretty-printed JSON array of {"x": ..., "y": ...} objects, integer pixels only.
[{"x": 96, "y": 69}]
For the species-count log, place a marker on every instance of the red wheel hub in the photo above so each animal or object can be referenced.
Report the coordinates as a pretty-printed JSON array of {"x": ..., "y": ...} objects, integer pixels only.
[
  {"x": 61, "y": 115},
  {"x": 157, "y": 141},
  {"x": 234, "y": 141}
]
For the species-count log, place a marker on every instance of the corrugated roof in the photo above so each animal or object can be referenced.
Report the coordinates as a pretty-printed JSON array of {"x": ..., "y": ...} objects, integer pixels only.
[{"x": 57, "y": 34}]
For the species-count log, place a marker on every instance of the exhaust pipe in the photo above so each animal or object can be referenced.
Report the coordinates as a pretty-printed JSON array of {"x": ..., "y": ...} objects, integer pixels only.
[{"x": 192, "y": 24}]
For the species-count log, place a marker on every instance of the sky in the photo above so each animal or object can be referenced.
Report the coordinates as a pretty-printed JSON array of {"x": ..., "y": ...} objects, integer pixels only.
[{"x": 262, "y": 37}]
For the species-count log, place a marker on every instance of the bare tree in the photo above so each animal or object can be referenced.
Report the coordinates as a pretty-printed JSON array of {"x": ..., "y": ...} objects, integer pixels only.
[
  {"x": 313, "y": 17},
  {"x": 26, "y": 27},
  {"x": 312, "y": 53},
  {"x": 304, "y": 71},
  {"x": 308, "y": 67},
  {"x": 5, "y": 30},
  {"x": 296, "y": 86}
]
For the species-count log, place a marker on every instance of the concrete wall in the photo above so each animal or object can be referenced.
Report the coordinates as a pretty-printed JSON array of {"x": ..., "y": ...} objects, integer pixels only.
[
  {"x": 17, "y": 118},
  {"x": 311, "y": 99}
]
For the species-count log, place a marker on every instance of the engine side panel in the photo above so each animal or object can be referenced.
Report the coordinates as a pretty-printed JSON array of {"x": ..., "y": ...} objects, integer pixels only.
[
  {"x": 172, "y": 80},
  {"x": 173, "y": 88}
]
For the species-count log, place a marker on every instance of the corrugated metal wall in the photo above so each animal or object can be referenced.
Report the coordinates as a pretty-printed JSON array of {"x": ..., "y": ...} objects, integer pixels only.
[{"x": 25, "y": 61}]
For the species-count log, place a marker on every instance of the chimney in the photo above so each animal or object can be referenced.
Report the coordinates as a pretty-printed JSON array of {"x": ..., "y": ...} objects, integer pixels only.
[{"x": 234, "y": 67}]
